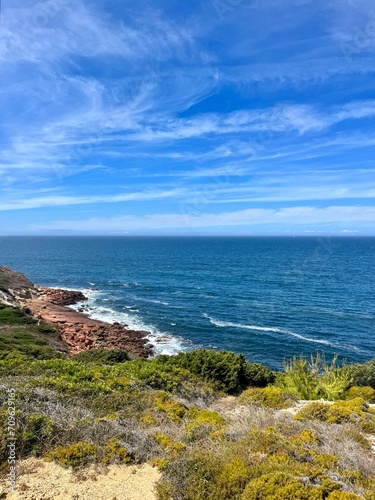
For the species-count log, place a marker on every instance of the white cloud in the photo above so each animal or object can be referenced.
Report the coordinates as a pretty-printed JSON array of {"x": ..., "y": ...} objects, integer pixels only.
[
  {"x": 59, "y": 201},
  {"x": 298, "y": 216}
]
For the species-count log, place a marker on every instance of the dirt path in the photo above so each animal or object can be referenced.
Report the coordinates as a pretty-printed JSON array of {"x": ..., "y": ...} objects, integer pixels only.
[{"x": 39, "y": 480}]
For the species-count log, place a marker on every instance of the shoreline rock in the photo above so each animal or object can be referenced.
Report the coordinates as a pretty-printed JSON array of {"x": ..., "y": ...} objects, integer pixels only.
[
  {"x": 61, "y": 297},
  {"x": 78, "y": 331}
]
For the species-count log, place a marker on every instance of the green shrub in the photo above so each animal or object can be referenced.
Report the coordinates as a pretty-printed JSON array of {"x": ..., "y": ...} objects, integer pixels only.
[
  {"x": 4, "y": 281},
  {"x": 105, "y": 356},
  {"x": 269, "y": 397},
  {"x": 279, "y": 486},
  {"x": 365, "y": 392},
  {"x": 342, "y": 495},
  {"x": 314, "y": 379},
  {"x": 233, "y": 478},
  {"x": 314, "y": 411},
  {"x": 354, "y": 411},
  {"x": 363, "y": 374},
  {"x": 226, "y": 370},
  {"x": 203, "y": 422},
  {"x": 37, "y": 430},
  {"x": 114, "y": 452},
  {"x": 45, "y": 329},
  {"x": 172, "y": 447},
  {"x": 15, "y": 316},
  {"x": 173, "y": 409},
  {"x": 74, "y": 455}
]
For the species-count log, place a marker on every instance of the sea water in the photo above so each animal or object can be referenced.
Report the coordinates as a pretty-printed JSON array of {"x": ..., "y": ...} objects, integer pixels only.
[{"x": 268, "y": 298}]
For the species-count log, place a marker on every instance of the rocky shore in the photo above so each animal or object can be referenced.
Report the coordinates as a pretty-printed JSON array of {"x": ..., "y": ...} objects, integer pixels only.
[{"x": 78, "y": 332}]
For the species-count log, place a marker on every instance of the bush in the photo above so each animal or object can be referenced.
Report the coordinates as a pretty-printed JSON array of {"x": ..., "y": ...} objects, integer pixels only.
[
  {"x": 173, "y": 409},
  {"x": 269, "y": 397},
  {"x": 314, "y": 411},
  {"x": 342, "y": 495},
  {"x": 233, "y": 478},
  {"x": 226, "y": 370},
  {"x": 30, "y": 341},
  {"x": 365, "y": 392},
  {"x": 105, "y": 356},
  {"x": 314, "y": 379},
  {"x": 363, "y": 374},
  {"x": 15, "y": 316},
  {"x": 203, "y": 422},
  {"x": 114, "y": 452},
  {"x": 354, "y": 411},
  {"x": 279, "y": 486},
  {"x": 74, "y": 455},
  {"x": 172, "y": 447}
]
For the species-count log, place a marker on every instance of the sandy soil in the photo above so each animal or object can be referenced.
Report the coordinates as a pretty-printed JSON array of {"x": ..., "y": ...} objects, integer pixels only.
[{"x": 39, "y": 480}]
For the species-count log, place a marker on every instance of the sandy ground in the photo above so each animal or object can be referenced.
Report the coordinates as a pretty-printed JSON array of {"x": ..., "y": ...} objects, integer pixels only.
[{"x": 39, "y": 480}]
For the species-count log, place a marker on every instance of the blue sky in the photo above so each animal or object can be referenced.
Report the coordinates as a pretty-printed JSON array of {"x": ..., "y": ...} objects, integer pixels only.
[{"x": 164, "y": 117}]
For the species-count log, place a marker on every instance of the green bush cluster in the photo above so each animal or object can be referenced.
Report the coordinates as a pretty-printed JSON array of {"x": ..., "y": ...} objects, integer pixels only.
[
  {"x": 314, "y": 378},
  {"x": 203, "y": 422},
  {"x": 4, "y": 280},
  {"x": 105, "y": 356},
  {"x": 363, "y": 374},
  {"x": 101, "y": 407},
  {"x": 21, "y": 345},
  {"x": 170, "y": 407},
  {"x": 268, "y": 397},
  {"x": 365, "y": 392},
  {"x": 74, "y": 455},
  {"x": 354, "y": 411},
  {"x": 15, "y": 316},
  {"x": 228, "y": 371},
  {"x": 270, "y": 463}
]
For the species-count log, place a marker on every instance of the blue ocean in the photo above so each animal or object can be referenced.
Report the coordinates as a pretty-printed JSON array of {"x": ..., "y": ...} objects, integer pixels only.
[{"x": 268, "y": 298}]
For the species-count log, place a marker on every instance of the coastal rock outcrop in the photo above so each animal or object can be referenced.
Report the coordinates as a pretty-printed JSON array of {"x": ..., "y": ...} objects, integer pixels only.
[
  {"x": 78, "y": 332},
  {"x": 15, "y": 287},
  {"x": 81, "y": 333},
  {"x": 61, "y": 297}
]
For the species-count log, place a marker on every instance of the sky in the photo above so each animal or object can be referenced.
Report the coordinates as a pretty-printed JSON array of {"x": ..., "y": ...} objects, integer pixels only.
[{"x": 240, "y": 117}]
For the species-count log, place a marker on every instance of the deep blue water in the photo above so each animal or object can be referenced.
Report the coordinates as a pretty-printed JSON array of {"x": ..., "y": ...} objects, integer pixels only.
[{"x": 268, "y": 298}]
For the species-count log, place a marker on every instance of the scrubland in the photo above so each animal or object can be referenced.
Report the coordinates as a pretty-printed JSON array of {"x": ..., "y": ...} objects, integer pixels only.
[{"x": 215, "y": 425}]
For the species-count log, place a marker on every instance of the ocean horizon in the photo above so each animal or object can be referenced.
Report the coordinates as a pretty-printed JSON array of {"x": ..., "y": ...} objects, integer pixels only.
[{"x": 267, "y": 297}]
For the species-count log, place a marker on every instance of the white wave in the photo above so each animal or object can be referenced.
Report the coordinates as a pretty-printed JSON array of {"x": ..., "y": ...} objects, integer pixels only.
[
  {"x": 162, "y": 342},
  {"x": 141, "y": 299},
  {"x": 228, "y": 324}
]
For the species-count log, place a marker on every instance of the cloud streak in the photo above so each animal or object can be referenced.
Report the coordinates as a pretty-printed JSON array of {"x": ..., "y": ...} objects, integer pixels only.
[
  {"x": 144, "y": 108},
  {"x": 302, "y": 215}
]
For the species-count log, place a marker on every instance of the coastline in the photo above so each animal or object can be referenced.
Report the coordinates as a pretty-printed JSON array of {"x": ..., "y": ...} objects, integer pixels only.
[{"x": 78, "y": 332}]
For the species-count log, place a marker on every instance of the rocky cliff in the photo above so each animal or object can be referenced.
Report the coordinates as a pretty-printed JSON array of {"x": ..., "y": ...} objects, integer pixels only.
[
  {"x": 78, "y": 332},
  {"x": 15, "y": 287}
]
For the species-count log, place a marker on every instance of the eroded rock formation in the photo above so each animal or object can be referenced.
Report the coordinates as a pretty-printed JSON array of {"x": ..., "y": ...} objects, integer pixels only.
[{"x": 78, "y": 332}]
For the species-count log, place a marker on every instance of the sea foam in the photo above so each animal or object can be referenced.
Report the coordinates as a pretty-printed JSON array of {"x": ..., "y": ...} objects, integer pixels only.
[
  {"x": 163, "y": 342},
  {"x": 229, "y": 324}
]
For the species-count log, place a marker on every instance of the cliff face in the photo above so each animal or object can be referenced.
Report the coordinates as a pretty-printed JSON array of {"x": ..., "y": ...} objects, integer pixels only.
[{"x": 15, "y": 287}]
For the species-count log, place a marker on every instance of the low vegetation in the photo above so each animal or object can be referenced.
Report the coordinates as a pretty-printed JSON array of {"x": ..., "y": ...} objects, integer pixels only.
[
  {"x": 216, "y": 425},
  {"x": 4, "y": 281}
]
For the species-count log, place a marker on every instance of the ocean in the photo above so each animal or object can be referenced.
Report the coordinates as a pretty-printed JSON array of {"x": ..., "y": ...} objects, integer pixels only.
[{"x": 268, "y": 298}]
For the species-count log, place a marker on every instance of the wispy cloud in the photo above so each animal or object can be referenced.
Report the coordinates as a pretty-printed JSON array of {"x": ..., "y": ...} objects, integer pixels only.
[
  {"x": 142, "y": 107},
  {"x": 301, "y": 215}
]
